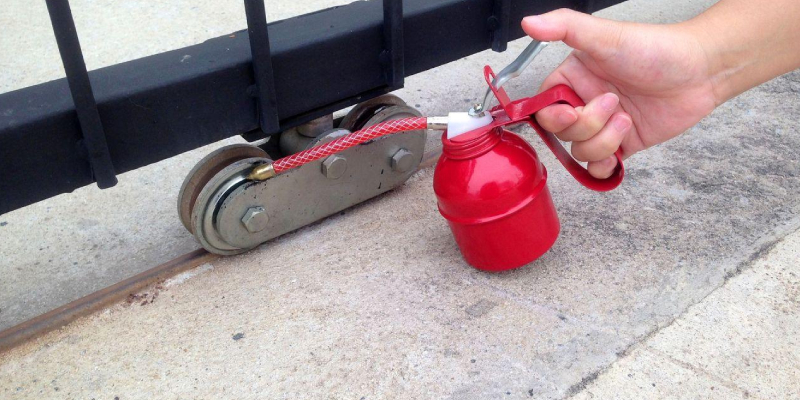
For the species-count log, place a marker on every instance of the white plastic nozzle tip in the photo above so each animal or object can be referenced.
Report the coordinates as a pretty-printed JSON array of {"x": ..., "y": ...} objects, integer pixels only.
[{"x": 459, "y": 123}]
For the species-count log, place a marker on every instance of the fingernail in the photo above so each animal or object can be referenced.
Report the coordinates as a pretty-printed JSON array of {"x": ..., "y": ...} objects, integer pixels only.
[
  {"x": 621, "y": 124},
  {"x": 567, "y": 118},
  {"x": 533, "y": 19},
  {"x": 609, "y": 102},
  {"x": 609, "y": 162}
]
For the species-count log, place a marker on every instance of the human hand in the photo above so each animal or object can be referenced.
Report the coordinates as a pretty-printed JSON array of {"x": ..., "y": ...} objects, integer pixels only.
[{"x": 644, "y": 84}]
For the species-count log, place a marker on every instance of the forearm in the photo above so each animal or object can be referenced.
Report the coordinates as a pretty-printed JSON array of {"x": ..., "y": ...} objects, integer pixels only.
[{"x": 748, "y": 42}]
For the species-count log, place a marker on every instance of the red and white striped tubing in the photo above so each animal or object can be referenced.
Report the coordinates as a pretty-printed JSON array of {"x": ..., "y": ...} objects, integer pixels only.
[{"x": 353, "y": 139}]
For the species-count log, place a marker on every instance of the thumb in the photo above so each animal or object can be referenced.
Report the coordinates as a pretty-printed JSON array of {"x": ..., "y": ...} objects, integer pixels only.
[{"x": 596, "y": 36}]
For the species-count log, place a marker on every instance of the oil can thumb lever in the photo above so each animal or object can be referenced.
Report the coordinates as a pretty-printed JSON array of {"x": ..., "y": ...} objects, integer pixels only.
[{"x": 511, "y": 71}]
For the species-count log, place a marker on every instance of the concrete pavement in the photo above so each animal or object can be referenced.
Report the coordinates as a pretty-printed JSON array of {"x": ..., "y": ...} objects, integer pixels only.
[
  {"x": 739, "y": 342},
  {"x": 683, "y": 278}
]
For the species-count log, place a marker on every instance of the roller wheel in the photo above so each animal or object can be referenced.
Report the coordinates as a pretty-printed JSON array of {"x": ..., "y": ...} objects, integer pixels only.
[
  {"x": 211, "y": 198},
  {"x": 363, "y": 112},
  {"x": 202, "y": 173},
  {"x": 390, "y": 113}
]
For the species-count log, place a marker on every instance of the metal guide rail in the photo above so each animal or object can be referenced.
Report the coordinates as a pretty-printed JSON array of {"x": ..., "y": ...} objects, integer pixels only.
[{"x": 88, "y": 127}]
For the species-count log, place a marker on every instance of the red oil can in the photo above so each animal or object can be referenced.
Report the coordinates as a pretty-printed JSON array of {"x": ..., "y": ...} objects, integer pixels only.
[{"x": 492, "y": 189}]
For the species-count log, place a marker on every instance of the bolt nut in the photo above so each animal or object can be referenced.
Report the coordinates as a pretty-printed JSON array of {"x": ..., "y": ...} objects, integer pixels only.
[
  {"x": 255, "y": 219},
  {"x": 402, "y": 160},
  {"x": 334, "y": 166}
]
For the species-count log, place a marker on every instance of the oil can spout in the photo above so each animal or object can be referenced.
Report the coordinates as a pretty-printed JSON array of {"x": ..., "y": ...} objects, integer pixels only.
[{"x": 437, "y": 123}]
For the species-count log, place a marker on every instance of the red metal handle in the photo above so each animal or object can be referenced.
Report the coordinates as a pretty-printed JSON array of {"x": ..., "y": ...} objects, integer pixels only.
[
  {"x": 523, "y": 110},
  {"x": 564, "y": 94}
]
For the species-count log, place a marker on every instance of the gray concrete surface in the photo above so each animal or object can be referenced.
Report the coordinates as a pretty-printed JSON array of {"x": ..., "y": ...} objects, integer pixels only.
[
  {"x": 739, "y": 342},
  {"x": 377, "y": 303},
  {"x": 398, "y": 333}
]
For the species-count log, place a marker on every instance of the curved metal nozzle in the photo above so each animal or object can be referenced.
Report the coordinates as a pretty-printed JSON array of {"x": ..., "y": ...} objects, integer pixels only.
[
  {"x": 437, "y": 123},
  {"x": 262, "y": 172},
  {"x": 511, "y": 71}
]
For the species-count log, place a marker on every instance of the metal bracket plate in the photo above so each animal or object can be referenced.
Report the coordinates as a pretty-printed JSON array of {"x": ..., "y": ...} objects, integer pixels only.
[{"x": 303, "y": 195}]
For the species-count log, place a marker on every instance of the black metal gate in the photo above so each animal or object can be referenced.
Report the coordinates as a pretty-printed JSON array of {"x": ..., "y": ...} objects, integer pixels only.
[{"x": 64, "y": 134}]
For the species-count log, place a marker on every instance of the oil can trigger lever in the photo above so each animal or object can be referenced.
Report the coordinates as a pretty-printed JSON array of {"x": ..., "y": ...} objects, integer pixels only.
[{"x": 511, "y": 71}]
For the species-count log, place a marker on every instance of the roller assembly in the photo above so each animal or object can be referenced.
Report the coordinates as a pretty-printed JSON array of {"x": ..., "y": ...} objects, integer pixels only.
[{"x": 237, "y": 197}]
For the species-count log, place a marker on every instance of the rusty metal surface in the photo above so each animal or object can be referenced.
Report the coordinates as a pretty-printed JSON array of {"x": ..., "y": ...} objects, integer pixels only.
[{"x": 67, "y": 313}]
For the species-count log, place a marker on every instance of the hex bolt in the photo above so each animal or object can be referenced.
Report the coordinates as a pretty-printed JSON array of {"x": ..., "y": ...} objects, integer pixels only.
[
  {"x": 334, "y": 166},
  {"x": 255, "y": 219},
  {"x": 402, "y": 160}
]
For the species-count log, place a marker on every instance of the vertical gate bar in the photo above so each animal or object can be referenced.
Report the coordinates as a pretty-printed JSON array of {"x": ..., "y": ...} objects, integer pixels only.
[
  {"x": 262, "y": 65},
  {"x": 393, "y": 43},
  {"x": 498, "y": 23},
  {"x": 80, "y": 87}
]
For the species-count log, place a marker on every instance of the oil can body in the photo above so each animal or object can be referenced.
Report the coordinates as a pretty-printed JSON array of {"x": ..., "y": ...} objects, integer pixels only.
[{"x": 492, "y": 190}]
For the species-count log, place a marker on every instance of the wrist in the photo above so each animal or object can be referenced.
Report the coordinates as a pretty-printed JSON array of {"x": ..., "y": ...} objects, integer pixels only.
[
  {"x": 721, "y": 65},
  {"x": 747, "y": 43}
]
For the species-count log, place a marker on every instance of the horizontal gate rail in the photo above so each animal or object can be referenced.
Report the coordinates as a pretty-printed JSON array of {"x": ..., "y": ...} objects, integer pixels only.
[{"x": 159, "y": 106}]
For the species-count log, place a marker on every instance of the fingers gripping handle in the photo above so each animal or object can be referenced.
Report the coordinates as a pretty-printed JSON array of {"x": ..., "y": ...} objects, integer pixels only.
[
  {"x": 523, "y": 110},
  {"x": 564, "y": 94}
]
